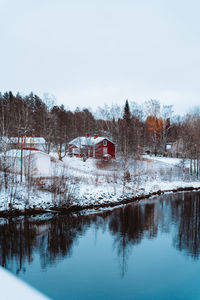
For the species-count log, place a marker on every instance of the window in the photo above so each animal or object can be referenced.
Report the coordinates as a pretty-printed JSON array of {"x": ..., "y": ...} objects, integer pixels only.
[{"x": 104, "y": 143}]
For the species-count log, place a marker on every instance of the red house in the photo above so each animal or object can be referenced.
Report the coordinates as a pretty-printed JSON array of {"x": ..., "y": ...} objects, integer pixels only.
[{"x": 97, "y": 147}]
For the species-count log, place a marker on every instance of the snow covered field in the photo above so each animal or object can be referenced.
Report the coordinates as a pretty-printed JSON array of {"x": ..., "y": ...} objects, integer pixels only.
[{"x": 91, "y": 182}]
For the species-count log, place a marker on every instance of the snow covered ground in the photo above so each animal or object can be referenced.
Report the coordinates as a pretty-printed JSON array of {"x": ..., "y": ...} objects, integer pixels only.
[{"x": 91, "y": 181}]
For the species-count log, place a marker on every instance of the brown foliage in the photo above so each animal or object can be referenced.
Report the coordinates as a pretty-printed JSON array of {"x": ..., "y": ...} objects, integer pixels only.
[{"x": 154, "y": 125}]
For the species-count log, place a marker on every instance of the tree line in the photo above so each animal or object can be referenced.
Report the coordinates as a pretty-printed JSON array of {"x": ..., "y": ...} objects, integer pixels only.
[{"x": 132, "y": 127}]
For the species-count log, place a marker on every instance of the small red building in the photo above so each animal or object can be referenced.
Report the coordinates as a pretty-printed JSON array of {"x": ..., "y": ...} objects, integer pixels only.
[{"x": 97, "y": 147}]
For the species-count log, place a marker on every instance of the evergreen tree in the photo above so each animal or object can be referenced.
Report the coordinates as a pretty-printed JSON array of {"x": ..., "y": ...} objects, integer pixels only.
[
  {"x": 126, "y": 138},
  {"x": 126, "y": 127},
  {"x": 127, "y": 114}
]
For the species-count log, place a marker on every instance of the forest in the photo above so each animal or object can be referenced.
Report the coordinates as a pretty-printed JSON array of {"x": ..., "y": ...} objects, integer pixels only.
[{"x": 134, "y": 128}]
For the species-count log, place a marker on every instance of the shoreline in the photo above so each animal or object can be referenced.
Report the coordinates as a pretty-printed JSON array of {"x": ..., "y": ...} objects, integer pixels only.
[{"x": 77, "y": 208}]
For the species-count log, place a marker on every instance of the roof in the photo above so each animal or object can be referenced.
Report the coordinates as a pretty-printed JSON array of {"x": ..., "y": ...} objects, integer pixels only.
[
  {"x": 17, "y": 153},
  {"x": 28, "y": 140},
  {"x": 88, "y": 141}
]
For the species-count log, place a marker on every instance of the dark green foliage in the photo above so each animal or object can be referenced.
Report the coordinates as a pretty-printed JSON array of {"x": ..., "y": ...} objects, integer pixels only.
[{"x": 127, "y": 114}]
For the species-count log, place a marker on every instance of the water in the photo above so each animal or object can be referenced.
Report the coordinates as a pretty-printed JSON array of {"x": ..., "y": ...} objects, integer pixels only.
[{"x": 149, "y": 250}]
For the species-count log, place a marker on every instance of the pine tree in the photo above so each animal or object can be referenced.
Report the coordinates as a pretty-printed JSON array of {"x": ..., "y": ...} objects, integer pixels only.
[
  {"x": 127, "y": 114},
  {"x": 127, "y": 121},
  {"x": 127, "y": 124}
]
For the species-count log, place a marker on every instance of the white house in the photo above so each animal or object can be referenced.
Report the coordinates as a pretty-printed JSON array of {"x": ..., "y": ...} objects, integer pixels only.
[{"x": 33, "y": 162}]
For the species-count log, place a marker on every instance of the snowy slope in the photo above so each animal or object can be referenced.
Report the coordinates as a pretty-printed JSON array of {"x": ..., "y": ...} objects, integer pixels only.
[{"x": 94, "y": 182}]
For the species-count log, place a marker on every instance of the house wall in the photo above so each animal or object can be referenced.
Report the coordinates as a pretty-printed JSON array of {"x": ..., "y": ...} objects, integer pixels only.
[
  {"x": 111, "y": 149},
  {"x": 96, "y": 151},
  {"x": 99, "y": 152},
  {"x": 89, "y": 151}
]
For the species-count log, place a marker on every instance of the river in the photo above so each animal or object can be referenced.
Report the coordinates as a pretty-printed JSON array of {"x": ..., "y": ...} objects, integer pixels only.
[{"x": 145, "y": 250}]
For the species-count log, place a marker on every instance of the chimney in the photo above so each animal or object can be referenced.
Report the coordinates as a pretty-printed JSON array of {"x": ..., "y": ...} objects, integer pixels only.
[
  {"x": 96, "y": 136},
  {"x": 87, "y": 135}
]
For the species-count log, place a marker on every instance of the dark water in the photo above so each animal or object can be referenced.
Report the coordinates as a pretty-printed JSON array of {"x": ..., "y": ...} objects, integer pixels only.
[{"x": 149, "y": 250}]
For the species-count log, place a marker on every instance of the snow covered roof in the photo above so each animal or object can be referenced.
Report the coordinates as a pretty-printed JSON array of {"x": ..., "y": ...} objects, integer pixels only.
[
  {"x": 28, "y": 140},
  {"x": 17, "y": 153},
  {"x": 87, "y": 141}
]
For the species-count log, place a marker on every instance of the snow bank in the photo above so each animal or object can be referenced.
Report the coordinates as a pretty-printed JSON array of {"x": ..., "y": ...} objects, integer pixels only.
[{"x": 13, "y": 288}]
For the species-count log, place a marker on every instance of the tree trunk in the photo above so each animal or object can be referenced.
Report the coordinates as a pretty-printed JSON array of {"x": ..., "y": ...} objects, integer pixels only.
[{"x": 190, "y": 166}]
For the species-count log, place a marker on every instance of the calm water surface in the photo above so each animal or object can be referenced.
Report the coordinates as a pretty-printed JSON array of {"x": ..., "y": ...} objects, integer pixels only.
[{"x": 148, "y": 251}]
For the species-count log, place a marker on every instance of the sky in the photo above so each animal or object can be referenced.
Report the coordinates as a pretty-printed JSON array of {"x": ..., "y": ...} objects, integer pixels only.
[{"x": 89, "y": 52}]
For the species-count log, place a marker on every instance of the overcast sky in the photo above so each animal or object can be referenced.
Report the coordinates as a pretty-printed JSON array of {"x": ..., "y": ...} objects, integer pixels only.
[{"x": 91, "y": 52}]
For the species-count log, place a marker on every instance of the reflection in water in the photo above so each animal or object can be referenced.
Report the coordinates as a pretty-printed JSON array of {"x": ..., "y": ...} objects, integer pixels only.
[
  {"x": 17, "y": 242},
  {"x": 54, "y": 239},
  {"x": 128, "y": 226},
  {"x": 186, "y": 215}
]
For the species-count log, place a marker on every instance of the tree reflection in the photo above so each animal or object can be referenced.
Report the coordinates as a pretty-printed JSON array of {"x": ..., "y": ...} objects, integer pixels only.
[
  {"x": 17, "y": 241},
  {"x": 62, "y": 234},
  {"x": 181, "y": 212},
  {"x": 128, "y": 226},
  {"x": 187, "y": 237},
  {"x": 54, "y": 239}
]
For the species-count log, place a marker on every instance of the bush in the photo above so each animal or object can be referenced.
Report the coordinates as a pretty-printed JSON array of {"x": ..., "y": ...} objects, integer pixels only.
[{"x": 128, "y": 176}]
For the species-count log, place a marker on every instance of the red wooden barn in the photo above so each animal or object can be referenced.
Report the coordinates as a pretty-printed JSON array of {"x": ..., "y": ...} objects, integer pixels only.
[{"x": 97, "y": 147}]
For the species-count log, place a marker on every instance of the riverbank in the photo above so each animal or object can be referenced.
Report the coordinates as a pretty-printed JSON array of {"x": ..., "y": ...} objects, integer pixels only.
[
  {"x": 91, "y": 185},
  {"x": 78, "y": 208}
]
